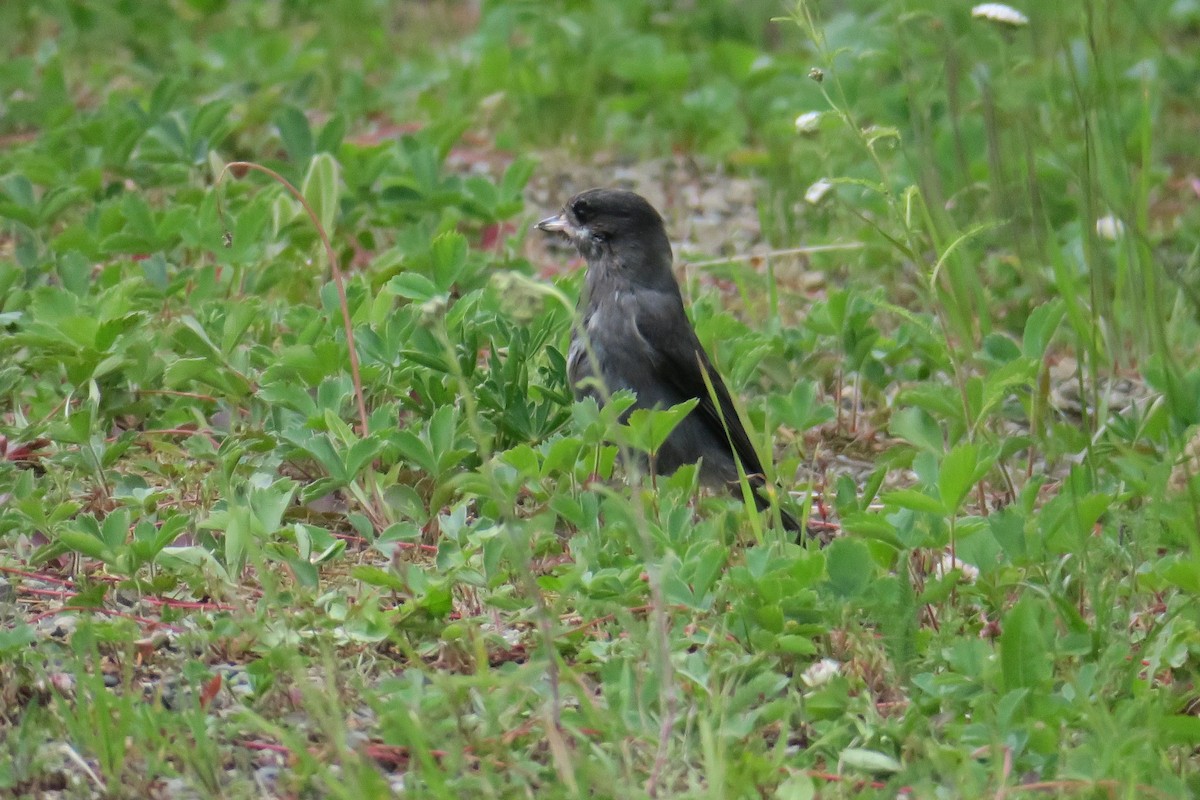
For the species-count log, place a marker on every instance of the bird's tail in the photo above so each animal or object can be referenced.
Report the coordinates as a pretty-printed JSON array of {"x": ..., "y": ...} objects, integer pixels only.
[{"x": 790, "y": 523}]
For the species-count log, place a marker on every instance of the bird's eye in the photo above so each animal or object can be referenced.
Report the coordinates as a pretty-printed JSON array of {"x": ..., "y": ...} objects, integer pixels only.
[{"x": 582, "y": 210}]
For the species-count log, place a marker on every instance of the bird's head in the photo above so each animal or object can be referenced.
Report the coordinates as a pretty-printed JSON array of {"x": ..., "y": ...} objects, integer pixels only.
[{"x": 616, "y": 230}]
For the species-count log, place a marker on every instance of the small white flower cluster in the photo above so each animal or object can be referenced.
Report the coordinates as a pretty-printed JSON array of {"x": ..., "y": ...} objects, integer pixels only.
[
  {"x": 808, "y": 122},
  {"x": 949, "y": 563},
  {"x": 998, "y": 12},
  {"x": 816, "y": 193},
  {"x": 1110, "y": 228},
  {"x": 821, "y": 673}
]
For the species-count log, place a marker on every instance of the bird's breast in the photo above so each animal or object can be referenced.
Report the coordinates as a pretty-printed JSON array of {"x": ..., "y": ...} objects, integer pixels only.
[
  {"x": 611, "y": 324},
  {"x": 607, "y": 344}
]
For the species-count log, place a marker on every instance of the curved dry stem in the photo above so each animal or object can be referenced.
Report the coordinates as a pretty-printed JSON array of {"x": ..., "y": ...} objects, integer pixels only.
[{"x": 227, "y": 236}]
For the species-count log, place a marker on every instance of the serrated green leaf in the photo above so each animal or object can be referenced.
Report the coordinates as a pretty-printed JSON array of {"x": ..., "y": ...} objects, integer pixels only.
[
  {"x": 649, "y": 428},
  {"x": 85, "y": 543}
]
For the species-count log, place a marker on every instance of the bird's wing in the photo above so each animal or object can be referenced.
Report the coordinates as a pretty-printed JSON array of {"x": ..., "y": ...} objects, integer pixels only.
[{"x": 679, "y": 361}]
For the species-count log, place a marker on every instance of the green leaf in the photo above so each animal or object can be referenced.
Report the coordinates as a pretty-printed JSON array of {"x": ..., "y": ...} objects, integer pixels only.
[
  {"x": 19, "y": 189},
  {"x": 180, "y": 373},
  {"x": 793, "y": 645},
  {"x": 1073, "y": 513},
  {"x": 1040, "y": 327},
  {"x": 115, "y": 528},
  {"x": 872, "y": 526},
  {"x": 85, "y": 543},
  {"x": 321, "y": 188},
  {"x": 416, "y": 451},
  {"x": 1008, "y": 526},
  {"x": 769, "y": 617},
  {"x": 374, "y": 576},
  {"x": 442, "y": 426},
  {"x": 360, "y": 455},
  {"x": 998, "y": 383},
  {"x": 562, "y": 456},
  {"x": 332, "y": 134},
  {"x": 449, "y": 252},
  {"x": 1024, "y": 662},
  {"x": 524, "y": 459},
  {"x": 849, "y": 566},
  {"x": 295, "y": 133},
  {"x": 238, "y": 319},
  {"x": 799, "y": 409},
  {"x": 183, "y": 559},
  {"x": 914, "y": 501},
  {"x": 1001, "y": 348},
  {"x": 57, "y": 200},
  {"x": 1185, "y": 575},
  {"x": 196, "y": 340},
  {"x": 957, "y": 475},
  {"x": 797, "y": 786},
  {"x": 1178, "y": 729},
  {"x": 869, "y": 760},
  {"x": 649, "y": 428},
  {"x": 170, "y": 530},
  {"x": 91, "y": 597},
  {"x": 917, "y": 428},
  {"x": 16, "y": 639},
  {"x": 269, "y": 504},
  {"x": 414, "y": 286}
]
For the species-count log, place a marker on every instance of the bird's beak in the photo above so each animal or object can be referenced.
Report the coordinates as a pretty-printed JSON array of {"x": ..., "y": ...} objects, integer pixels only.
[{"x": 556, "y": 224}]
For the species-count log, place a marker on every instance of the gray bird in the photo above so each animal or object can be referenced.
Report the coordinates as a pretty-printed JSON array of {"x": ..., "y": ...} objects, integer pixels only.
[{"x": 633, "y": 334}]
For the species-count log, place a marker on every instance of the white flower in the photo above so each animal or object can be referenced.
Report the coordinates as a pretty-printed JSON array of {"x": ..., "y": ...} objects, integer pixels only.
[
  {"x": 821, "y": 672},
  {"x": 998, "y": 12},
  {"x": 1110, "y": 228},
  {"x": 816, "y": 193},
  {"x": 808, "y": 122},
  {"x": 949, "y": 563}
]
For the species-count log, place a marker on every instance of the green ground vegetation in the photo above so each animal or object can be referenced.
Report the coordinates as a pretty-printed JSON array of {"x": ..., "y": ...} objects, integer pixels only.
[{"x": 242, "y": 556}]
